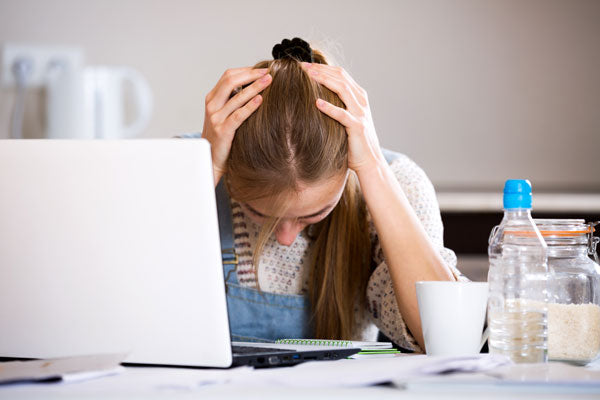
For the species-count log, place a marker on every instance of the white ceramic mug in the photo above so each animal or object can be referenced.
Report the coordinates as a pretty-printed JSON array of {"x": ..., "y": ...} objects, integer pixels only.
[{"x": 452, "y": 316}]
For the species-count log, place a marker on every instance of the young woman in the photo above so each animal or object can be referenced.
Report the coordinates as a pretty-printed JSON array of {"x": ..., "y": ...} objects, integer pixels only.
[{"x": 329, "y": 234}]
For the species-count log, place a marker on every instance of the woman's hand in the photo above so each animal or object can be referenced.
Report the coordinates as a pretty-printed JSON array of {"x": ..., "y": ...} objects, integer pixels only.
[
  {"x": 223, "y": 115},
  {"x": 364, "y": 152}
]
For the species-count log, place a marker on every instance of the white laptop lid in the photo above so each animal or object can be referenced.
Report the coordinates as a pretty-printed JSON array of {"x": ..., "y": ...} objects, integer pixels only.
[{"x": 111, "y": 246}]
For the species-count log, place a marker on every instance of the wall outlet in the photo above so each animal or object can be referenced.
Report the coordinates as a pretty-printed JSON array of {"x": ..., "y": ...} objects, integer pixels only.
[{"x": 43, "y": 59}]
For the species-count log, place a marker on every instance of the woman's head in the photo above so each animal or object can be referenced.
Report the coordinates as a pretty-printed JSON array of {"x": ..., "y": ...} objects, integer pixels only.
[
  {"x": 306, "y": 204},
  {"x": 288, "y": 147},
  {"x": 288, "y": 168}
]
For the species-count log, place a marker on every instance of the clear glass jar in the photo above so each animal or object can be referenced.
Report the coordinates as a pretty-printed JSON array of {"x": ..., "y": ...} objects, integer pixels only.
[{"x": 574, "y": 290}]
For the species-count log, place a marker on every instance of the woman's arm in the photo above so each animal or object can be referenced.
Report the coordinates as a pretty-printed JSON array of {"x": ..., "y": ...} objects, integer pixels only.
[
  {"x": 381, "y": 299},
  {"x": 408, "y": 251}
]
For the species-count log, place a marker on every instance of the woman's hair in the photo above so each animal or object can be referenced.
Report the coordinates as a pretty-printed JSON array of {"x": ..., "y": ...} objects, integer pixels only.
[{"x": 288, "y": 141}]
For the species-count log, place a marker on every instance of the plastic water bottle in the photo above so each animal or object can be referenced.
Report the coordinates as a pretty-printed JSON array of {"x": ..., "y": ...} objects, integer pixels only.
[{"x": 518, "y": 275}]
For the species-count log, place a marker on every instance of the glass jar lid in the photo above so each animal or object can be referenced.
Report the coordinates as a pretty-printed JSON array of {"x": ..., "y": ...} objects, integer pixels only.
[
  {"x": 563, "y": 227},
  {"x": 569, "y": 232}
]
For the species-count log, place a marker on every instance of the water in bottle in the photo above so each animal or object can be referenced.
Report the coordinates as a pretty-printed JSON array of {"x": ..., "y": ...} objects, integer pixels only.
[{"x": 518, "y": 275}]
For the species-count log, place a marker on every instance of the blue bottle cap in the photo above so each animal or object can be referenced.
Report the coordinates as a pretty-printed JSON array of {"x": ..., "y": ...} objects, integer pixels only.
[{"x": 517, "y": 194}]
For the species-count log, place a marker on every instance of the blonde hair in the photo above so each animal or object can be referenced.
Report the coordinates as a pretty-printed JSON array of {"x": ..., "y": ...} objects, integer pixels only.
[{"x": 288, "y": 141}]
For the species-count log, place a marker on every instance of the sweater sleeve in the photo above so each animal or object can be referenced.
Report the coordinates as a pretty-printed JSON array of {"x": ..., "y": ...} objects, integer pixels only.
[{"x": 381, "y": 301}]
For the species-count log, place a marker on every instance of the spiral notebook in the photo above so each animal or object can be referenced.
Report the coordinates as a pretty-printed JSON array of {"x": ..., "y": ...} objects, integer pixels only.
[{"x": 363, "y": 346}]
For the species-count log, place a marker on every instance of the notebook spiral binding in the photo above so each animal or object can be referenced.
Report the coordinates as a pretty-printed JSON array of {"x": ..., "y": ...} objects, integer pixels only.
[{"x": 315, "y": 342}]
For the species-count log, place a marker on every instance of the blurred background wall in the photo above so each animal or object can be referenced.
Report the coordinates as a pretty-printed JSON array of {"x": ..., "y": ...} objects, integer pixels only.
[{"x": 474, "y": 90}]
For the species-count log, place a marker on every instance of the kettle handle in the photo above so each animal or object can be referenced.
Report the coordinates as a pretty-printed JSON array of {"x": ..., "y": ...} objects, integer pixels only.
[{"x": 142, "y": 101}]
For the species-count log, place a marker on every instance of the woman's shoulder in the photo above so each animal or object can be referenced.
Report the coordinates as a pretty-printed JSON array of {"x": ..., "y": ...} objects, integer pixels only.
[
  {"x": 392, "y": 156},
  {"x": 407, "y": 171}
]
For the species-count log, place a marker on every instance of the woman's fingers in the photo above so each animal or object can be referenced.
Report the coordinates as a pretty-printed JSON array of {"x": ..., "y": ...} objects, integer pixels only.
[
  {"x": 231, "y": 79},
  {"x": 337, "y": 113},
  {"x": 243, "y": 97},
  {"x": 235, "y": 119},
  {"x": 341, "y": 88},
  {"x": 339, "y": 72},
  {"x": 326, "y": 72},
  {"x": 231, "y": 71}
]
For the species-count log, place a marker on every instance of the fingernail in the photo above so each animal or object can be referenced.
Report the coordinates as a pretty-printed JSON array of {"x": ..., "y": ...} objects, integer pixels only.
[
  {"x": 265, "y": 78},
  {"x": 306, "y": 65},
  {"x": 263, "y": 70},
  {"x": 320, "y": 103},
  {"x": 258, "y": 99},
  {"x": 314, "y": 72}
]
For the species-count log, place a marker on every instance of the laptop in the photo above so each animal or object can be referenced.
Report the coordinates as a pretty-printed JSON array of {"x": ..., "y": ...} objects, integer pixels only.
[{"x": 113, "y": 247}]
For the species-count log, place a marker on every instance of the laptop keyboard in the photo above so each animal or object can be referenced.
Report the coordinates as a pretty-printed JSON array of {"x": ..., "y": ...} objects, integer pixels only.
[{"x": 254, "y": 350}]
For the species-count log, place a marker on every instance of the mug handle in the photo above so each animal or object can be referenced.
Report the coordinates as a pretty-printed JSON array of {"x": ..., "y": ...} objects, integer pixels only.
[{"x": 142, "y": 99}]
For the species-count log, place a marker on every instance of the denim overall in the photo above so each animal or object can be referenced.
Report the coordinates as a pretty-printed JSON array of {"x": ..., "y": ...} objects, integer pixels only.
[{"x": 255, "y": 315}]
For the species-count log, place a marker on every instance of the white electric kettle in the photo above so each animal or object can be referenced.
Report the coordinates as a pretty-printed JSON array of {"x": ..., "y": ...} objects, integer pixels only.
[{"x": 90, "y": 103}]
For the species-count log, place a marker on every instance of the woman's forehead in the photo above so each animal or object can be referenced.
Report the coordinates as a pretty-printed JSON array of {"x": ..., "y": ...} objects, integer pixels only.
[{"x": 311, "y": 198}]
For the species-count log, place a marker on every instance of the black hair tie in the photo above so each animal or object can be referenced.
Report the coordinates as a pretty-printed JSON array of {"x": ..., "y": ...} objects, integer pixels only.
[{"x": 296, "y": 48}]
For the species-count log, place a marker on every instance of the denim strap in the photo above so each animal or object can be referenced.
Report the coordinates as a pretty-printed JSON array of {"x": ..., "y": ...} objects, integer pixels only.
[
  {"x": 225, "y": 225},
  {"x": 390, "y": 155}
]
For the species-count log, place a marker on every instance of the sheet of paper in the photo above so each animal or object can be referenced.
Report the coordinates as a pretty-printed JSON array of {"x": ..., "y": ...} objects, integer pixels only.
[
  {"x": 552, "y": 373},
  {"x": 74, "y": 368},
  {"x": 594, "y": 365},
  {"x": 163, "y": 380},
  {"x": 365, "y": 372},
  {"x": 545, "y": 377},
  {"x": 89, "y": 375}
]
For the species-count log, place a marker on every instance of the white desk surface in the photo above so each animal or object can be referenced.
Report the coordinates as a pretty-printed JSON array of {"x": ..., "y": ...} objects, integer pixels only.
[{"x": 173, "y": 383}]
